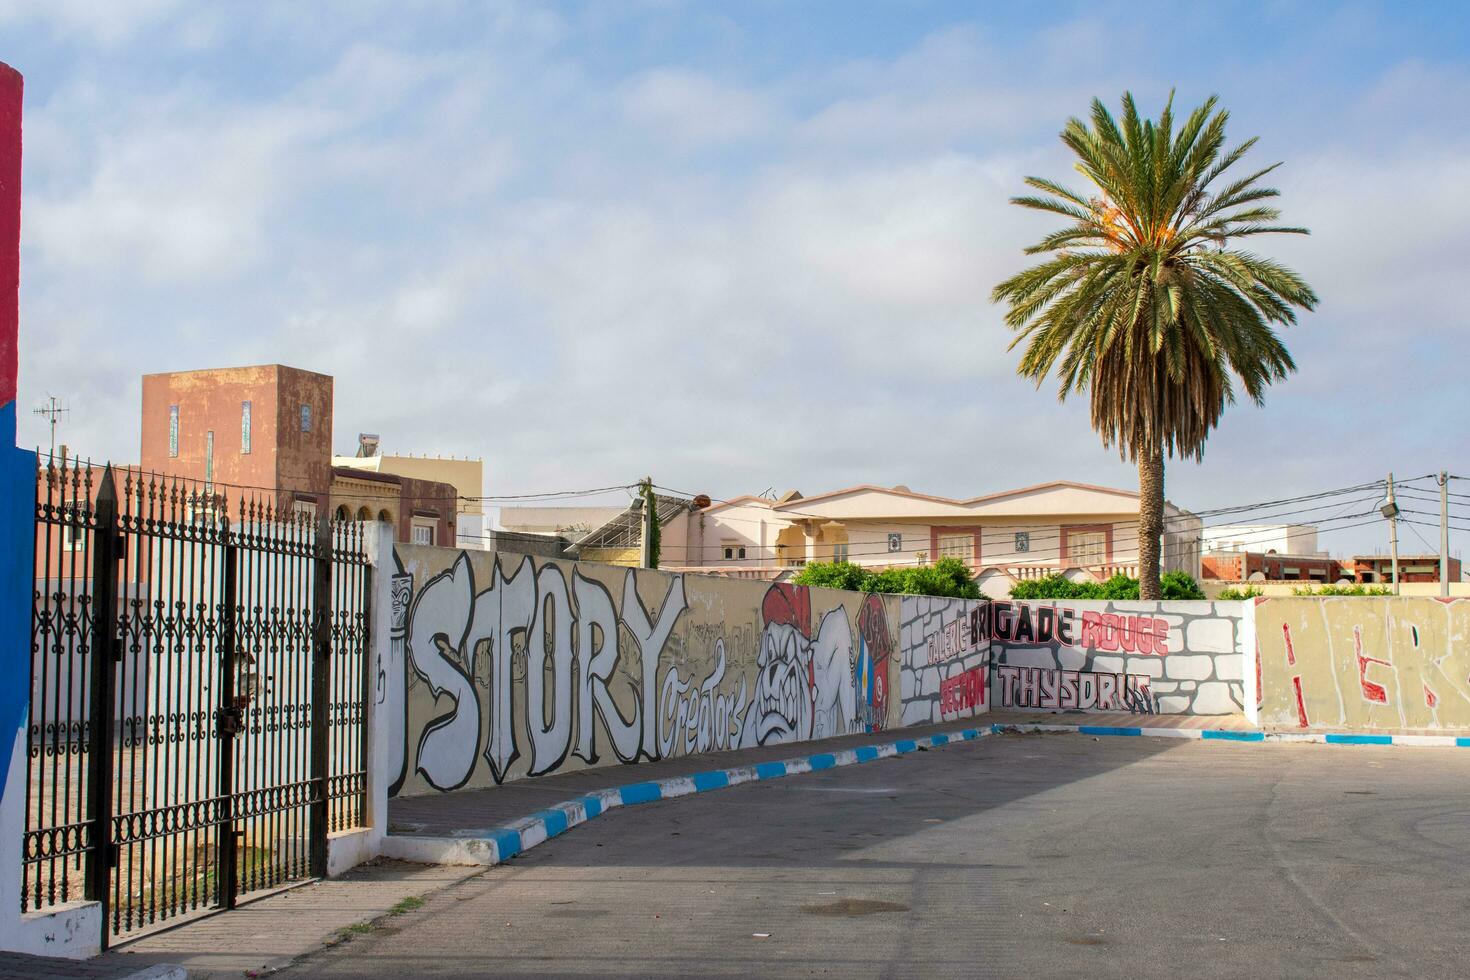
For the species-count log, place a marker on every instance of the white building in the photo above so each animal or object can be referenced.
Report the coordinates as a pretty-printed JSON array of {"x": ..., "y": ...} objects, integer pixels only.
[{"x": 1283, "y": 539}]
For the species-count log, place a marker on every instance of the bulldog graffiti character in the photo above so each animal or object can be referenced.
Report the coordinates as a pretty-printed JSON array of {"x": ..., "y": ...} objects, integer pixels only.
[{"x": 804, "y": 683}]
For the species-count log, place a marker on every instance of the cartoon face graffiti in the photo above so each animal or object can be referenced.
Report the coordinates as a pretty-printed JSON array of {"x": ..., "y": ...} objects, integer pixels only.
[
  {"x": 804, "y": 683},
  {"x": 783, "y": 689}
]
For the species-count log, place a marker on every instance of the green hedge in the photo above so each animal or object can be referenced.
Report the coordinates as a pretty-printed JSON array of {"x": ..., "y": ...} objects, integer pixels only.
[
  {"x": 1174, "y": 585},
  {"x": 1343, "y": 590},
  {"x": 950, "y": 577},
  {"x": 947, "y": 577}
]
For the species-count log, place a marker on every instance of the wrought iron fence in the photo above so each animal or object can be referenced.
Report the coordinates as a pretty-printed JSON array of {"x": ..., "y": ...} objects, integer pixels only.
[{"x": 198, "y": 692}]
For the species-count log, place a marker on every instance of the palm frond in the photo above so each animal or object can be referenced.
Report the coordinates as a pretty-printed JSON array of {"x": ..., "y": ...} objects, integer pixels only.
[{"x": 1139, "y": 299}]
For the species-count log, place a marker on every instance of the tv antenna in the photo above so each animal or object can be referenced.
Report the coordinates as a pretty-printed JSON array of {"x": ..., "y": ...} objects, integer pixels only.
[{"x": 53, "y": 411}]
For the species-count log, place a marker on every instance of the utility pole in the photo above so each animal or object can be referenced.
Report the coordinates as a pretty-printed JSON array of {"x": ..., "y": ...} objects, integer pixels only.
[
  {"x": 1444, "y": 532},
  {"x": 645, "y": 556},
  {"x": 1391, "y": 511},
  {"x": 53, "y": 411}
]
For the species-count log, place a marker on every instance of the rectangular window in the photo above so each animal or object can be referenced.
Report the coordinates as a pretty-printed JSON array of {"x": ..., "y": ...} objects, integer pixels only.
[
  {"x": 305, "y": 418},
  {"x": 423, "y": 532},
  {"x": 209, "y": 456},
  {"x": 173, "y": 430},
  {"x": 73, "y": 538},
  {"x": 245, "y": 428},
  {"x": 1086, "y": 548},
  {"x": 307, "y": 507},
  {"x": 961, "y": 546},
  {"x": 840, "y": 551}
]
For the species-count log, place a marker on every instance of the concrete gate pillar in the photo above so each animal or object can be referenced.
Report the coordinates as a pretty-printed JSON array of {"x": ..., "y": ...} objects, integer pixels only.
[{"x": 73, "y": 929}]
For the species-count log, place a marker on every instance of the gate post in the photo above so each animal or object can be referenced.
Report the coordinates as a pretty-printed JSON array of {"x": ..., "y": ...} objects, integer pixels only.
[
  {"x": 71, "y": 931},
  {"x": 102, "y": 701},
  {"x": 231, "y": 719},
  {"x": 321, "y": 666}
]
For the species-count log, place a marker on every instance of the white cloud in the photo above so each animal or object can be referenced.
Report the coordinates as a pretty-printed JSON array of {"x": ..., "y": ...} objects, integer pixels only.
[
  {"x": 508, "y": 248},
  {"x": 691, "y": 109},
  {"x": 104, "y": 22}
]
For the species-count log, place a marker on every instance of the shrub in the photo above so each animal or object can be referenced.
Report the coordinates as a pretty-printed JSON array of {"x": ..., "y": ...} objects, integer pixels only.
[
  {"x": 951, "y": 578},
  {"x": 1174, "y": 585},
  {"x": 1342, "y": 590},
  {"x": 947, "y": 577},
  {"x": 1178, "y": 585},
  {"x": 1055, "y": 587},
  {"x": 1232, "y": 593},
  {"x": 834, "y": 575}
]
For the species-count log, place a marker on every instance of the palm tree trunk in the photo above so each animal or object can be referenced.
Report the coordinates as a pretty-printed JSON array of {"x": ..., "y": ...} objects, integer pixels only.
[{"x": 1150, "y": 520}]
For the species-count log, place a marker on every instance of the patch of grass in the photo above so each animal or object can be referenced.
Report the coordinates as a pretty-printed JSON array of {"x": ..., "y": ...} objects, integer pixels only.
[
  {"x": 356, "y": 929},
  {"x": 409, "y": 904}
]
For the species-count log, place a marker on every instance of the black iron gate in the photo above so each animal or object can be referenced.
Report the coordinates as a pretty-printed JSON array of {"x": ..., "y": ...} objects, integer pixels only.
[{"x": 198, "y": 690}]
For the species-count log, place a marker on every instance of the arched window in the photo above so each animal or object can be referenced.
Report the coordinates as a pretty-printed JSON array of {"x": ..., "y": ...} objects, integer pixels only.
[
  {"x": 364, "y": 514},
  {"x": 343, "y": 514},
  {"x": 385, "y": 517}
]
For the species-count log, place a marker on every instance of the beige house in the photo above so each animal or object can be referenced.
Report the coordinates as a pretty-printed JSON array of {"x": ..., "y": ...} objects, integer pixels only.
[
  {"x": 466, "y": 476},
  {"x": 1084, "y": 531}
]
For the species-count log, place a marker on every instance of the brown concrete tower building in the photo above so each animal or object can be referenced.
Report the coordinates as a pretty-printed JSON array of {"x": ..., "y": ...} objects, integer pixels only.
[
  {"x": 266, "y": 427},
  {"x": 266, "y": 433}
]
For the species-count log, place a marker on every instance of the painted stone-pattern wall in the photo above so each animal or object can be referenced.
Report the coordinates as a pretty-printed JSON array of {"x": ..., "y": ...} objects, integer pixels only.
[
  {"x": 505, "y": 666},
  {"x": 1145, "y": 657},
  {"x": 1364, "y": 664},
  {"x": 945, "y": 651}
]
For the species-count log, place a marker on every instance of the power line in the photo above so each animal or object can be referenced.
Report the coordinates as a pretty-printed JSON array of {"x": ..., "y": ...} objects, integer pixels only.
[
  {"x": 1123, "y": 542},
  {"x": 1185, "y": 516},
  {"x": 999, "y": 535},
  {"x": 168, "y": 480}
]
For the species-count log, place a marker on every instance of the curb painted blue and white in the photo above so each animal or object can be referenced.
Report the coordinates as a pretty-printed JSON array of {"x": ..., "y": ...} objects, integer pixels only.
[
  {"x": 1237, "y": 735},
  {"x": 494, "y": 845}
]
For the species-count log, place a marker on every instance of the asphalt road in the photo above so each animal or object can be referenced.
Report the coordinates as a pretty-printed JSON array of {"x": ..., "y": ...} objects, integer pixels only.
[{"x": 1035, "y": 856}]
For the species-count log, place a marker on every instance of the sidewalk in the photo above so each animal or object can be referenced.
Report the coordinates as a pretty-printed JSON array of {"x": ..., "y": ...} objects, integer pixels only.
[
  {"x": 1121, "y": 719},
  {"x": 19, "y": 966},
  {"x": 468, "y": 811},
  {"x": 265, "y": 935},
  {"x": 474, "y": 812}
]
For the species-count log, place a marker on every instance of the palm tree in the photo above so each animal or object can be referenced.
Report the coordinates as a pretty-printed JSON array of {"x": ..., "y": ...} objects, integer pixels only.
[{"x": 1141, "y": 302}]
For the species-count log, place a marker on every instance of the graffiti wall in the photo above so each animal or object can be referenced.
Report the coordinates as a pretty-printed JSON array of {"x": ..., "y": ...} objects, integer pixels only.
[
  {"x": 505, "y": 666},
  {"x": 1362, "y": 663},
  {"x": 945, "y": 646},
  {"x": 1144, "y": 657}
]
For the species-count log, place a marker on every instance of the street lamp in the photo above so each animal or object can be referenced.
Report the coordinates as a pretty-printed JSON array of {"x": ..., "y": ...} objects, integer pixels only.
[{"x": 1390, "y": 511}]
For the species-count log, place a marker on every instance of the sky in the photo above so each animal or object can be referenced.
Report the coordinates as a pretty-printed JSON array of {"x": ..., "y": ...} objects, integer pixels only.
[{"x": 735, "y": 246}]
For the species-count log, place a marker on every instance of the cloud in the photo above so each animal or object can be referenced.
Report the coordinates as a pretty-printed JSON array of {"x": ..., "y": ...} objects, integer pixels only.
[
  {"x": 502, "y": 241},
  {"x": 691, "y": 109},
  {"x": 104, "y": 22}
]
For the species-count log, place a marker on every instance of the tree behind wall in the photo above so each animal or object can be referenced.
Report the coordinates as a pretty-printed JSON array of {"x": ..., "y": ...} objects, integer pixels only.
[
  {"x": 1140, "y": 301},
  {"x": 650, "y": 521}
]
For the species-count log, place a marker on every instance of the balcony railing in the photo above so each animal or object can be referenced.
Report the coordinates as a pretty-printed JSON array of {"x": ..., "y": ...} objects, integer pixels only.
[{"x": 1018, "y": 573}]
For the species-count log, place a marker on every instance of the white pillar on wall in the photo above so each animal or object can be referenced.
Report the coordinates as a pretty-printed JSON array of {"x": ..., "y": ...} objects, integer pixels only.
[{"x": 348, "y": 849}]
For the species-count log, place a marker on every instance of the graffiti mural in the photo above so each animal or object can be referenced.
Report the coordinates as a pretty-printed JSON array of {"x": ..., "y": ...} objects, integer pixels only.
[
  {"x": 946, "y": 650},
  {"x": 1145, "y": 657},
  {"x": 1364, "y": 663},
  {"x": 392, "y": 674},
  {"x": 1081, "y": 690},
  {"x": 962, "y": 657},
  {"x": 504, "y": 666}
]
